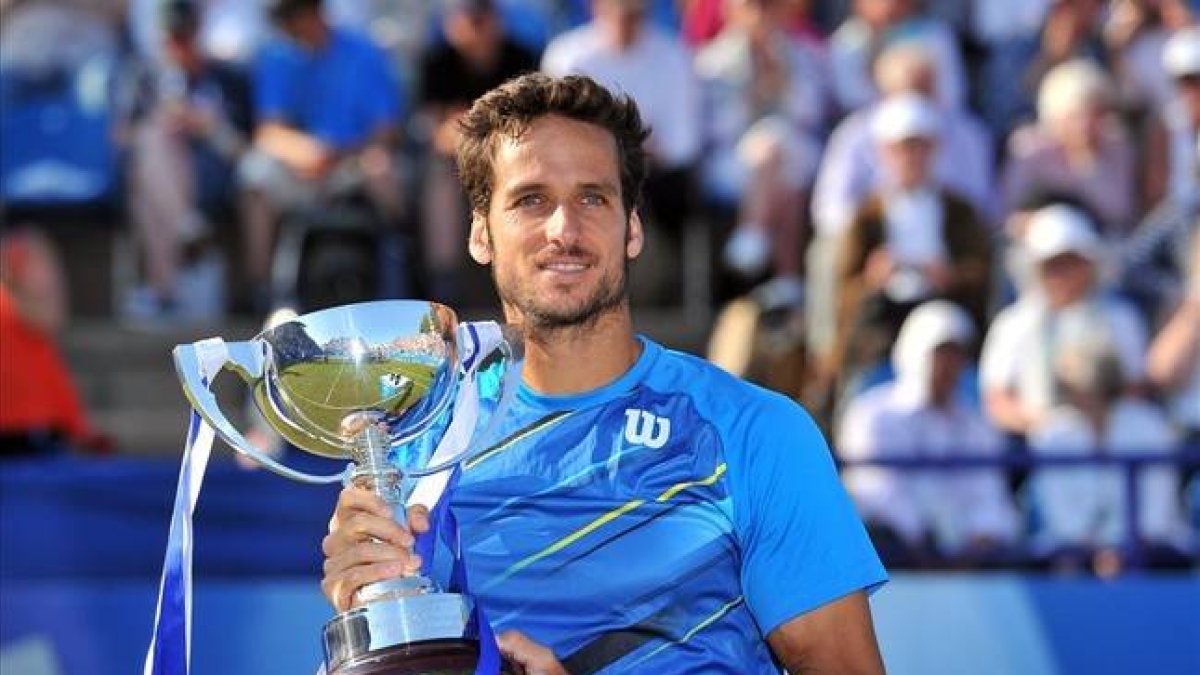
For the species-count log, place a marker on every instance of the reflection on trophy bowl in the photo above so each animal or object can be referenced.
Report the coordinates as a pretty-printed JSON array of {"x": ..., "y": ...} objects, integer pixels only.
[{"x": 396, "y": 359}]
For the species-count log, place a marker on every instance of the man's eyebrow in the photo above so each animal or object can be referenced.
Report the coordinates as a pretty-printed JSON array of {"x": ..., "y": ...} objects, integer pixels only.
[{"x": 606, "y": 187}]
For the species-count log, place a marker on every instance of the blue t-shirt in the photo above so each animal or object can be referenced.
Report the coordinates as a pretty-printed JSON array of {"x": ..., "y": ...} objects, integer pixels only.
[
  {"x": 341, "y": 94},
  {"x": 662, "y": 524}
]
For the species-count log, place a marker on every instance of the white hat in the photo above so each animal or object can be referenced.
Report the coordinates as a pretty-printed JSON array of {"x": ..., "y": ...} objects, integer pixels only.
[
  {"x": 1059, "y": 229},
  {"x": 905, "y": 116},
  {"x": 933, "y": 324},
  {"x": 1181, "y": 54}
]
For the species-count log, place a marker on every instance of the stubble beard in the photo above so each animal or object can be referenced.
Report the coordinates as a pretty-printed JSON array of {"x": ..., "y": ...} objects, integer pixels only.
[{"x": 541, "y": 317}]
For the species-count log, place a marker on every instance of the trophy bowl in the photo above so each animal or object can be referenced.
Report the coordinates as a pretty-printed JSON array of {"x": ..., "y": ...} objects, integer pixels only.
[{"x": 361, "y": 382}]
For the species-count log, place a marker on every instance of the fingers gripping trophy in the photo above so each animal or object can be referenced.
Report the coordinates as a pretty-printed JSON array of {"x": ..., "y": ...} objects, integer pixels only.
[{"x": 395, "y": 387}]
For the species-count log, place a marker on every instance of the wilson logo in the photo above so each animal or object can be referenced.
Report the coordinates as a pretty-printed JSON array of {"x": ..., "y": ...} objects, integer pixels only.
[{"x": 642, "y": 428}]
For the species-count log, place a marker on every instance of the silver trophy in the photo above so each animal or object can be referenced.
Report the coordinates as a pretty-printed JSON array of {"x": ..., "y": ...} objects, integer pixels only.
[{"x": 369, "y": 382}]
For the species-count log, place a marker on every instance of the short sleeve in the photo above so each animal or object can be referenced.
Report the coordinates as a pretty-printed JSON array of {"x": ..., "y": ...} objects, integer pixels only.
[
  {"x": 270, "y": 85},
  {"x": 804, "y": 544}
]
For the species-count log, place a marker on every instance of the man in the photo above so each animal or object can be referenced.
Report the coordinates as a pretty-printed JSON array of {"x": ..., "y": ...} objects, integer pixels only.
[
  {"x": 642, "y": 511},
  {"x": 328, "y": 115},
  {"x": 187, "y": 134},
  {"x": 911, "y": 241},
  {"x": 476, "y": 57},
  {"x": 1016, "y": 367},
  {"x": 766, "y": 97},
  {"x": 966, "y": 515}
]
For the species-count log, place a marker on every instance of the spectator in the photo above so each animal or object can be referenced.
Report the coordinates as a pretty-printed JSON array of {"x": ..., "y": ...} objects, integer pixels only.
[
  {"x": 1016, "y": 369},
  {"x": 1081, "y": 510},
  {"x": 40, "y": 409},
  {"x": 704, "y": 20},
  {"x": 625, "y": 52},
  {"x": 877, "y": 24},
  {"x": 1076, "y": 146},
  {"x": 327, "y": 113},
  {"x": 850, "y": 168},
  {"x": 850, "y": 172},
  {"x": 186, "y": 136},
  {"x": 229, "y": 30},
  {"x": 1008, "y": 34},
  {"x": 476, "y": 57},
  {"x": 924, "y": 414},
  {"x": 1072, "y": 30},
  {"x": 1135, "y": 33},
  {"x": 1172, "y": 170},
  {"x": 910, "y": 242},
  {"x": 765, "y": 107},
  {"x": 1174, "y": 360}
]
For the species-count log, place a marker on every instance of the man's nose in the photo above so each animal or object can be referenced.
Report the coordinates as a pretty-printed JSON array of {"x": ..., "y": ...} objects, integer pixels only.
[{"x": 562, "y": 227}]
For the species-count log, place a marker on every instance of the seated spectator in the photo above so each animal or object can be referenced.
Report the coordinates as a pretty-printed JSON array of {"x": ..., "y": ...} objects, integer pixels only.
[
  {"x": 327, "y": 112},
  {"x": 1008, "y": 35},
  {"x": 965, "y": 514},
  {"x": 1071, "y": 30},
  {"x": 850, "y": 171},
  {"x": 621, "y": 49},
  {"x": 229, "y": 30},
  {"x": 850, "y": 168},
  {"x": 40, "y": 410},
  {"x": 910, "y": 242},
  {"x": 765, "y": 108},
  {"x": 1172, "y": 166},
  {"x": 476, "y": 57},
  {"x": 704, "y": 20},
  {"x": 1016, "y": 366},
  {"x": 1174, "y": 360},
  {"x": 186, "y": 134},
  {"x": 1081, "y": 511},
  {"x": 1077, "y": 146},
  {"x": 877, "y": 24},
  {"x": 1135, "y": 33}
]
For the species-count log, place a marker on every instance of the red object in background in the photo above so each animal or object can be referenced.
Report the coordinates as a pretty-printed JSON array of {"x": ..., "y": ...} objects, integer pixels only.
[{"x": 37, "y": 393}]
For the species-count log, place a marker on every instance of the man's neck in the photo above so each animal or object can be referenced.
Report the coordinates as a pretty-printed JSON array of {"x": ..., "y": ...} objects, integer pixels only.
[{"x": 577, "y": 359}]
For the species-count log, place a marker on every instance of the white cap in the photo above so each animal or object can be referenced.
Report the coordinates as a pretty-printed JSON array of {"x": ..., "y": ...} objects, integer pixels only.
[
  {"x": 1181, "y": 54},
  {"x": 928, "y": 327},
  {"x": 1055, "y": 230},
  {"x": 905, "y": 116}
]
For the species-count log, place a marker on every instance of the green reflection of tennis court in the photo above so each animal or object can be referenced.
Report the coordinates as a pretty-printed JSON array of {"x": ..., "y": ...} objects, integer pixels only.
[{"x": 325, "y": 391}]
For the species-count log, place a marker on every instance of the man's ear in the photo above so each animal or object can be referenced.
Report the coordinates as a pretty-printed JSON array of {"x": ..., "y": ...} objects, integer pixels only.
[
  {"x": 636, "y": 239},
  {"x": 478, "y": 243}
]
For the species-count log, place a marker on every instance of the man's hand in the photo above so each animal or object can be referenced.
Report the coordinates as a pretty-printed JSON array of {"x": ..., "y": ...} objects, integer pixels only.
[
  {"x": 365, "y": 544},
  {"x": 529, "y": 657}
]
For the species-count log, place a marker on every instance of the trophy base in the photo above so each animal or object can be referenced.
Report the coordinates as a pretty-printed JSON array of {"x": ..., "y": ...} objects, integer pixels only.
[
  {"x": 432, "y": 657},
  {"x": 408, "y": 635}
]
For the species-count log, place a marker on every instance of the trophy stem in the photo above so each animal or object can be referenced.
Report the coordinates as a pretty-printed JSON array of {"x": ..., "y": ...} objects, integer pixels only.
[{"x": 372, "y": 469}]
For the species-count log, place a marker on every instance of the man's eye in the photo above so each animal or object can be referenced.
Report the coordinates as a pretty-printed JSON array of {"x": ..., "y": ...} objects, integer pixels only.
[
  {"x": 594, "y": 199},
  {"x": 528, "y": 201}
]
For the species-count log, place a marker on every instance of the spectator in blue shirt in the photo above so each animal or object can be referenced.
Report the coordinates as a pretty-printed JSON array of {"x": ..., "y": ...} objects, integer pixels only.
[{"x": 328, "y": 110}]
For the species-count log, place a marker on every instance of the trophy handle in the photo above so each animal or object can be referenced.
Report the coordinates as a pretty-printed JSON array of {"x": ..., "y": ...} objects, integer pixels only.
[{"x": 245, "y": 359}]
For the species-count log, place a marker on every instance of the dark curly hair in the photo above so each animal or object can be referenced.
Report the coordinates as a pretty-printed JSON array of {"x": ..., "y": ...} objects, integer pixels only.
[{"x": 509, "y": 110}]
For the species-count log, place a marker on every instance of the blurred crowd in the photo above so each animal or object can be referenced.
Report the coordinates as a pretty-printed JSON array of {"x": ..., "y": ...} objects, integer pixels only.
[{"x": 953, "y": 228}]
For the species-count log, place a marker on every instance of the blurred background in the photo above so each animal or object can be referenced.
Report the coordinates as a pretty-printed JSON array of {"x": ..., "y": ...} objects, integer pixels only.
[{"x": 963, "y": 233}]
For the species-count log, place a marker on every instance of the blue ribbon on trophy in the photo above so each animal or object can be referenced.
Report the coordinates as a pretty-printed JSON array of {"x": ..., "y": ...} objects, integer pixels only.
[{"x": 378, "y": 383}]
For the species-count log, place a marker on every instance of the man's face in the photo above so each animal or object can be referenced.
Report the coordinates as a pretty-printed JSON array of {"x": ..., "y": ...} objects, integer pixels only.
[
  {"x": 908, "y": 161},
  {"x": 1066, "y": 279},
  {"x": 555, "y": 232},
  {"x": 948, "y": 361}
]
